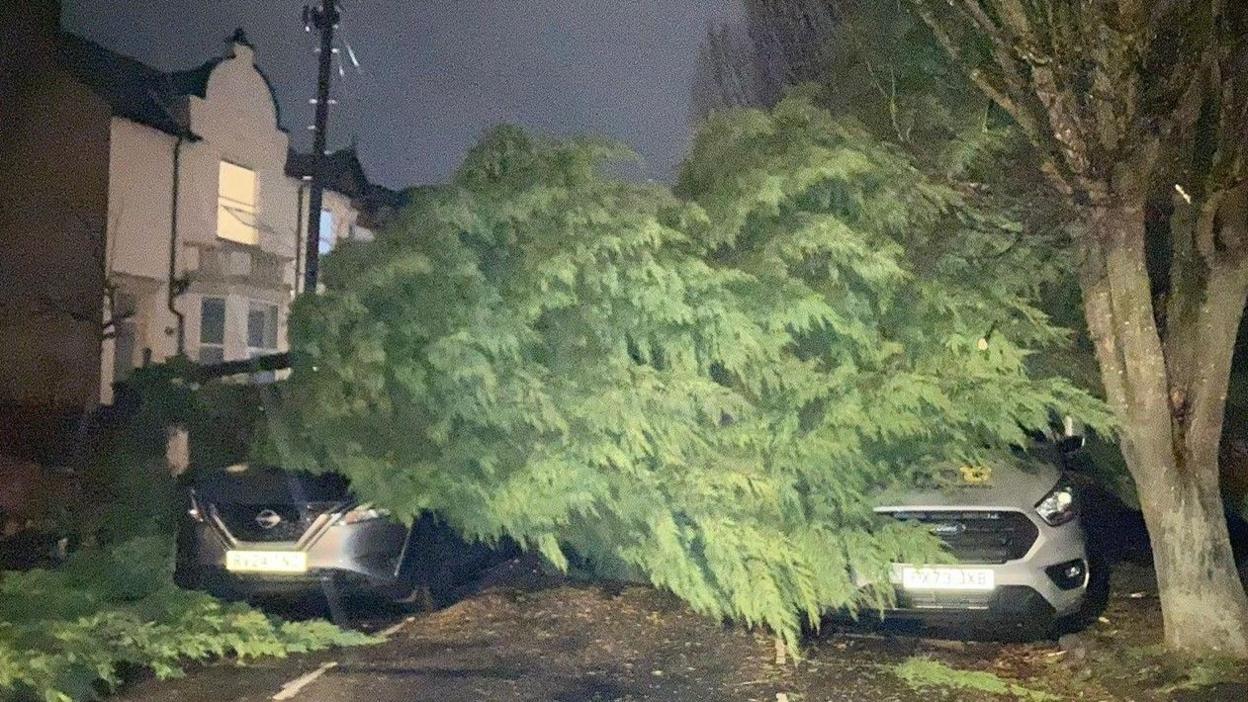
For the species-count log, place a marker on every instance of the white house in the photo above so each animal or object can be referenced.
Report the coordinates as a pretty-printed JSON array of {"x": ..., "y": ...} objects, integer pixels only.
[{"x": 206, "y": 208}]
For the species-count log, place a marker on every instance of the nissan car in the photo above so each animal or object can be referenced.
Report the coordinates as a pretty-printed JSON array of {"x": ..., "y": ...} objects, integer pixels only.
[{"x": 258, "y": 530}]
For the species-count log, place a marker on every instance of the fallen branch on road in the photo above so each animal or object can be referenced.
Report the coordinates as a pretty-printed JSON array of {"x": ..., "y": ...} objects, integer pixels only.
[{"x": 66, "y": 634}]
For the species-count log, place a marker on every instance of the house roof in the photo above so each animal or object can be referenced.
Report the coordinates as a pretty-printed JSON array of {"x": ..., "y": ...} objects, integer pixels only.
[
  {"x": 142, "y": 93},
  {"x": 132, "y": 89},
  {"x": 344, "y": 174}
]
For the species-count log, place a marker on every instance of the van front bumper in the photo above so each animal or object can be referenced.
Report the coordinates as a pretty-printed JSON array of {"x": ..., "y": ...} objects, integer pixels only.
[{"x": 1033, "y": 585}]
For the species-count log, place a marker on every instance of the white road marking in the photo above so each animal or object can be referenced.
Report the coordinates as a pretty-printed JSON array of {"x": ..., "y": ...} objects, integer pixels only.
[
  {"x": 293, "y": 687},
  {"x": 394, "y": 629}
]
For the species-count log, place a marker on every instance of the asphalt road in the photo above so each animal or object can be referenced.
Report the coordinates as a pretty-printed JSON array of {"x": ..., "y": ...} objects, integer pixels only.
[
  {"x": 541, "y": 640},
  {"x": 522, "y": 635},
  {"x": 525, "y": 635}
]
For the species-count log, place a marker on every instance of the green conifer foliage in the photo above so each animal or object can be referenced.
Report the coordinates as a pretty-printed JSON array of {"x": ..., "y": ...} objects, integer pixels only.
[{"x": 705, "y": 390}]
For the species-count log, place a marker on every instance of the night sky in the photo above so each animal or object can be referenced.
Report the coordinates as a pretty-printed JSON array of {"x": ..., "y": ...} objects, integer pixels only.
[{"x": 438, "y": 72}]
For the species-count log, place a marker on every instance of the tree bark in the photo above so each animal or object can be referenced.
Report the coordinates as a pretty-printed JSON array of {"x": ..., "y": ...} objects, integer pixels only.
[
  {"x": 1202, "y": 599},
  {"x": 1140, "y": 98},
  {"x": 1167, "y": 436}
]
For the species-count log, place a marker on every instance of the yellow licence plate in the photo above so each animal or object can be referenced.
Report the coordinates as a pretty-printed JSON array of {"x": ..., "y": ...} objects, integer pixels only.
[
  {"x": 944, "y": 578},
  {"x": 266, "y": 561}
]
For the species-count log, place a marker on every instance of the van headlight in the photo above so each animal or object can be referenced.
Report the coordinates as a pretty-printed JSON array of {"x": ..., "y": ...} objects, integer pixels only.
[
  {"x": 1058, "y": 507},
  {"x": 362, "y": 513}
]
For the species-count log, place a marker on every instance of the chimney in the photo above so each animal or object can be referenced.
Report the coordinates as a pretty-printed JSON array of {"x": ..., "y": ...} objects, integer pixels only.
[{"x": 241, "y": 46}]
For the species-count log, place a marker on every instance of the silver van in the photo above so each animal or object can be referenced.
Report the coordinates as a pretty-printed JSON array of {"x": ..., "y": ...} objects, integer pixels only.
[{"x": 1018, "y": 542}]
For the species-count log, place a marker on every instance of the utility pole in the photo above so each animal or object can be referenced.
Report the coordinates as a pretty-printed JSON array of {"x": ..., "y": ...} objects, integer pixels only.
[{"x": 325, "y": 19}]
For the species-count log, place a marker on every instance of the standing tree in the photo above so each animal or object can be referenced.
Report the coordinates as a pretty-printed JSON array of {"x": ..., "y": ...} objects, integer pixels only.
[
  {"x": 728, "y": 74},
  {"x": 750, "y": 63},
  {"x": 1124, "y": 101},
  {"x": 75, "y": 295},
  {"x": 791, "y": 39},
  {"x": 877, "y": 64}
]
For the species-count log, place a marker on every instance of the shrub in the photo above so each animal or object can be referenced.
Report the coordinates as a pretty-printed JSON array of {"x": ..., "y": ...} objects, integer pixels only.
[
  {"x": 67, "y": 634},
  {"x": 129, "y": 489}
]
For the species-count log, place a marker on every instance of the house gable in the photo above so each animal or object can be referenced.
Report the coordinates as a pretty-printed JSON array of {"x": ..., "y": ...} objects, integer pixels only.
[{"x": 238, "y": 82}]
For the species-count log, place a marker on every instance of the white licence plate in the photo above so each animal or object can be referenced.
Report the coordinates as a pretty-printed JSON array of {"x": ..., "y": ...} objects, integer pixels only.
[
  {"x": 266, "y": 561},
  {"x": 943, "y": 578}
]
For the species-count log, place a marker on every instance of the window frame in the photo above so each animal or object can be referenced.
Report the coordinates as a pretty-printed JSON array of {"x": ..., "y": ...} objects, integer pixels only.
[
  {"x": 207, "y": 344},
  {"x": 269, "y": 332},
  {"x": 272, "y": 321},
  {"x": 232, "y": 208}
]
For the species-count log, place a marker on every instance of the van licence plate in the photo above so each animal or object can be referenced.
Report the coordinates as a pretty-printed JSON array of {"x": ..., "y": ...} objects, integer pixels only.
[
  {"x": 266, "y": 561},
  {"x": 945, "y": 578}
]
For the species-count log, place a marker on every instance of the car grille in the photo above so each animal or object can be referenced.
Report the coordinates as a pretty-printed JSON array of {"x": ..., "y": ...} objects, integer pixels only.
[
  {"x": 979, "y": 536},
  {"x": 244, "y": 521}
]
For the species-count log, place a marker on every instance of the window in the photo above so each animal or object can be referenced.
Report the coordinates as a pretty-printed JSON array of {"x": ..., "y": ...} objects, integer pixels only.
[
  {"x": 212, "y": 330},
  {"x": 261, "y": 328},
  {"x": 236, "y": 204},
  {"x": 125, "y": 335},
  {"x": 261, "y": 335},
  {"x": 326, "y": 243}
]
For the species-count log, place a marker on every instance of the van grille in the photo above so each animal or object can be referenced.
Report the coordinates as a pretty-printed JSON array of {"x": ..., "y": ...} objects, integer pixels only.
[{"x": 979, "y": 536}]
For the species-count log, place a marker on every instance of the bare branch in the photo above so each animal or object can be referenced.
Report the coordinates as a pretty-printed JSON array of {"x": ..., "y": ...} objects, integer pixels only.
[
  {"x": 1004, "y": 87},
  {"x": 991, "y": 85}
]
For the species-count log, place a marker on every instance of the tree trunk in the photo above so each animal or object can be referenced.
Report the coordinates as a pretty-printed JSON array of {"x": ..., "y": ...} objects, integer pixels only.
[{"x": 1203, "y": 601}]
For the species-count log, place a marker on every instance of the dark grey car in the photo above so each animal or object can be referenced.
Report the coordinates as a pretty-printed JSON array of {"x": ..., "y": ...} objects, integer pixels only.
[{"x": 259, "y": 530}]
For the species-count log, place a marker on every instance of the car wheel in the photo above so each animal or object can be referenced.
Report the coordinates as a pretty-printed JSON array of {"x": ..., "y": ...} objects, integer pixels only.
[{"x": 425, "y": 586}]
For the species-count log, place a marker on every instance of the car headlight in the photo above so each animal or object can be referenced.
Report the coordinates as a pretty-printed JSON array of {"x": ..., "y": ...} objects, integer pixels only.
[
  {"x": 193, "y": 510},
  {"x": 1058, "y": 507},
  {"x": 363, "y": 513}
]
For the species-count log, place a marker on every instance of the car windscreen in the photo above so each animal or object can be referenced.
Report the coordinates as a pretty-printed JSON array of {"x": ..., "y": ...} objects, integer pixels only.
[{"x": 256, "y": 485}]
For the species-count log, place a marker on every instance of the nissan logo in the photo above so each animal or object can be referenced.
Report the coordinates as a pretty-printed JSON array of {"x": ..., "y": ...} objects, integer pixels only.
[
  {"x": 948, "y": 529},
  {"x": 268, "y": 519}
]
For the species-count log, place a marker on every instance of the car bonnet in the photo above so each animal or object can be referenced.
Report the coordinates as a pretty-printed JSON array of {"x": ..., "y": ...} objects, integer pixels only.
[{"x": 266, "y": 485}]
